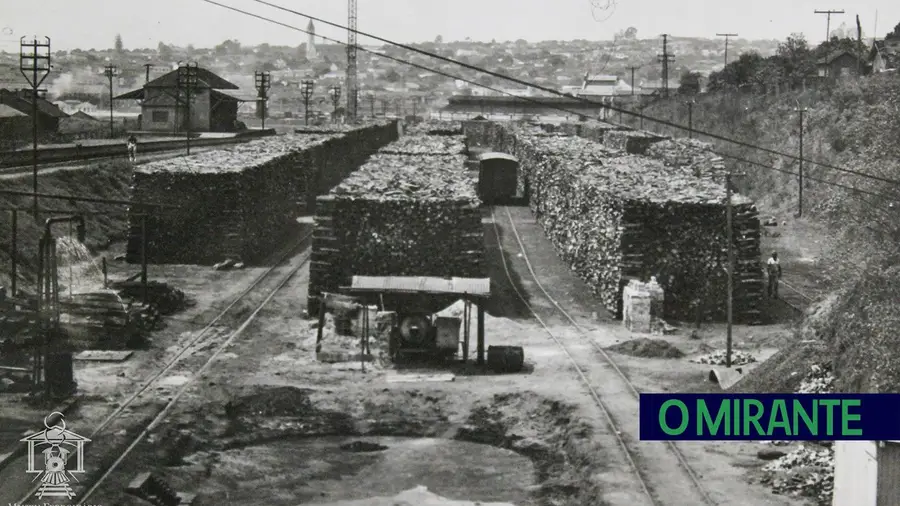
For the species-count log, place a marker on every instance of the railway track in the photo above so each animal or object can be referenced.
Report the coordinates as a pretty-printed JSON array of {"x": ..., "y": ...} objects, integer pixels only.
[
  {"x": 267, "y": 284},
  {"x": 662, "y": 470}
]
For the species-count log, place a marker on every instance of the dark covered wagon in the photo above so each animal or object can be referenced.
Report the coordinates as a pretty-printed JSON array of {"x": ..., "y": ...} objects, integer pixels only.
[{"x": 497, "y": 178}]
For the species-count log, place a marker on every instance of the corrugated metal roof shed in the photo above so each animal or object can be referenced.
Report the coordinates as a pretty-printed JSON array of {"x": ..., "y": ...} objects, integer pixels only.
[
  {"x": 423, "y": 284},
  {"x": 494, "y": 155}
]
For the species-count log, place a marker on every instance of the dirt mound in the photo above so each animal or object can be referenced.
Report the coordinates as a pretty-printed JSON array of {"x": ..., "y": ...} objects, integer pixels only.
[
  {"x": 277, "y": 401},
  {"x": 165, "y": 298},
  {"x": 645, "y": 347},
  {"x": 784, "y": 372}
]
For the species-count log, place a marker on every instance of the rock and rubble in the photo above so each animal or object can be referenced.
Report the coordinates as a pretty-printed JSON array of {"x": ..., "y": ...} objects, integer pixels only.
[{"x": 718, "y": 357}]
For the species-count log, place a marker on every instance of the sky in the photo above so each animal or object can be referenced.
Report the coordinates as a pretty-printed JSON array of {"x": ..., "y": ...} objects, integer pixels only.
[{"x": 94, "y": 23}]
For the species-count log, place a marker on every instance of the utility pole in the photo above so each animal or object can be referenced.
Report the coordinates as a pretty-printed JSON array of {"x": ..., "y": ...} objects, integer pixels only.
[
  {"x": 632, "y": 78},
  {"x": 665, "y": 58},
  {"x": 800, "y": 110},
  {"x": 147, "y": 67},
  {"x": 187, "y": 80},
  {"x": 306, "y": 90},
  {"x": 727, "y": 36},
  {"x": 263, "y": 84},
  {"x": 352, "y": 78},
  {"x": 111, "y": 71},
  {"x": 372, "y": 104},
  {"x": 690, "y": 105},
  {"x": 34, "y": 64},
  {"x": 828, "y": 21},
  {"x": 828, "y": 14},
  {"x": 335, "y": 99}
]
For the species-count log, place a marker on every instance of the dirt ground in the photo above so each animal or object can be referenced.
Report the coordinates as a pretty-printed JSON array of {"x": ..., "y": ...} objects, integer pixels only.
[{"x": 270, "y": 424}]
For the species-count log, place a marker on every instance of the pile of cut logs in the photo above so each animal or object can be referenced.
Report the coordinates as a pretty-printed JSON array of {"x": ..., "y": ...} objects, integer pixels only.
[
  {"x": 398, "y": 215},
  {"x": 237, "y": 202},
  {"x": 432, "y": 127},
  {"x": 614, "y": 217},
  {"x": 426, "y": 145}
]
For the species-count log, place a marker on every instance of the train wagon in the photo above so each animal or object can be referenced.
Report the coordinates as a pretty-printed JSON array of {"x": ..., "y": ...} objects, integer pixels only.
[{"x": 497, "y": 178}]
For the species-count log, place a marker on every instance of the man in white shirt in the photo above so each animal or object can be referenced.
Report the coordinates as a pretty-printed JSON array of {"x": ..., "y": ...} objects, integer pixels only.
[{"x": 773, "y": 269}]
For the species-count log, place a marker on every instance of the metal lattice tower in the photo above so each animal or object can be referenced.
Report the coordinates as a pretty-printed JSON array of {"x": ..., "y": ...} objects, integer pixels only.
[{"x": 352, "y": 85}]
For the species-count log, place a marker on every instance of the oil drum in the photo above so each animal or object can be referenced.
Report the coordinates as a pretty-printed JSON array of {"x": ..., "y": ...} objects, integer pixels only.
[
  {"x": 505, "y": 359},
  {"x": 59, "y": 373}
]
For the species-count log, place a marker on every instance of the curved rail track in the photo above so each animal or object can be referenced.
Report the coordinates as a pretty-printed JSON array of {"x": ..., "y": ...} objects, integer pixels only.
[
  {"x": 301, "y": 245},
  {"x": 666, "y": 456}
]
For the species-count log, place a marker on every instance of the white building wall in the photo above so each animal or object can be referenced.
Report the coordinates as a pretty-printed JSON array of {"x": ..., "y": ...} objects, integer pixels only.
[{"x": 855, "y": 473}]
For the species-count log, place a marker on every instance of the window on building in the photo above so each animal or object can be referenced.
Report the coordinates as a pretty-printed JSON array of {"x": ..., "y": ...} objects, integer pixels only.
[{"x": 160, "y": 116}]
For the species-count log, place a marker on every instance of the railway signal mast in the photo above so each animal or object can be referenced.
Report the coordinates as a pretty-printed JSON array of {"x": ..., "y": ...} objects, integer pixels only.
[
  {"x": 306, "y": 90},
  {"x": 34, "y": 64},
  {"x": 352, "y": 82},
  {"x": 263, "y": 84}
]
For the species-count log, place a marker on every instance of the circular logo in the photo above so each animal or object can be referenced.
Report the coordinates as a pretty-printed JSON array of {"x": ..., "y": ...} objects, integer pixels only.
[{"x": 55, "y": 464}]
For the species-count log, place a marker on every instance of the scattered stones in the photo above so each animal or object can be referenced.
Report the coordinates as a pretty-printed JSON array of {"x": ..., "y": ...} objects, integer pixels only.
[
  {"x": 819, "y": 380},
  {"x": 805, "y": 472},
  {"x": 718, "y": 358},
  {"x": 647, "y": 348}
]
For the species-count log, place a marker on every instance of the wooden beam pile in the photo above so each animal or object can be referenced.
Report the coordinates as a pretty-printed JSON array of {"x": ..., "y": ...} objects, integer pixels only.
[
  {"x": 433, "y": 127},
  {"x": 426, "y": 145},
  {"x": 398, "y": 215},
  {"x": 237, "y": 202},
  {"x": 630, "y": 141},
  {"x": 614, "y": 217}
]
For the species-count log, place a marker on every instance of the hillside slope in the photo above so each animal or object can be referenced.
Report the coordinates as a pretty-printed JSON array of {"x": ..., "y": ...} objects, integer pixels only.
[
  {"x": 853, "y": 126},
  {"x": 104, "y": 223}
]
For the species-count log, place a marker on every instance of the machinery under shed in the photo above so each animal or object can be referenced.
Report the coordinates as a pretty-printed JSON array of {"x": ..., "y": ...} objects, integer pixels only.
[{"x": 415, "y": 300}]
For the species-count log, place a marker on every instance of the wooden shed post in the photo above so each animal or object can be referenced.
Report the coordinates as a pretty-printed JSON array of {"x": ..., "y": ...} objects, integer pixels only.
[{"x": 481, "y": 333}]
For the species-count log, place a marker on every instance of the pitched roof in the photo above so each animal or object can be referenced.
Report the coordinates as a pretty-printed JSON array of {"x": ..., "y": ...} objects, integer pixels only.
[
  {"x": 22, "y": 103},
  {"x": 8, "y": 112},
  {"x": 834, "y": 55},
  {"x": 889, "y": 51},
  {"x": 205, "y": 78}
]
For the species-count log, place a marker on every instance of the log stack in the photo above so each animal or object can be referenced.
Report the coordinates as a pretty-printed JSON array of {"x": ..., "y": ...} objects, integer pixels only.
[
  {"x": 426, "y": 145},
  {"x": 398, "y": 215},
  {"x": 433, "y": 127},
  {"x": 690, "y": 154},
  {"x": 614, "y": 217},
  {"x": 236, "y": 202},
  {"x": 631, "y": 141}
]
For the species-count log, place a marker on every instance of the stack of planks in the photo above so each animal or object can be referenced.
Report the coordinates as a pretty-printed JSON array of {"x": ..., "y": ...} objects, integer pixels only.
[
  {"x": 237, "y": 202},
  {"x": 614, "y": 217},
  {"x": 398, "y": 215}
]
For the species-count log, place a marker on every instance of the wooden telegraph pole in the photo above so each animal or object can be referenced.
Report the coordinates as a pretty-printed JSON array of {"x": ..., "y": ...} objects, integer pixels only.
[
  {"x": 800, "y": 110},
  {"x": 730, "y": 267},
  {"x": 34, "y": 64}
]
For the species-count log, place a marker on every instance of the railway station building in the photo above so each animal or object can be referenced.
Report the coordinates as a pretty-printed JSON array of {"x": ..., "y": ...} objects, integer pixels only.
[{"x": 213, "y": 107}]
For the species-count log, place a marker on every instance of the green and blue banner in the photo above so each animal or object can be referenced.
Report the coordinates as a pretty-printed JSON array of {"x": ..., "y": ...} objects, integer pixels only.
[{"x": 744, "y": 417}]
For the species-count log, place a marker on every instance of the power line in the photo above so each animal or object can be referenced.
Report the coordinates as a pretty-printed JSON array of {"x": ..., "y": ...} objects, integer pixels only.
[
  {"x": 828, "y": 14},
  {"x": 538, "y": 102},
  {"x": 560, "y": 94},
  {"x": 665, "y": 58},
  {"x": 727, "y": 36}
]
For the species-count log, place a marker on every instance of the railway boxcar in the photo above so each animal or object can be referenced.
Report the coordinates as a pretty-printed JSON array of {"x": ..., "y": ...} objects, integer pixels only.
[{"x": 497, "y": 178}]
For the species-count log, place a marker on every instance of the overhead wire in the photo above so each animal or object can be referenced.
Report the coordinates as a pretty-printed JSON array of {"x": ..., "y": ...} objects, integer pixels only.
[
  {"x": 581, "y": 99},
  {"x": 538, "y": 102}
]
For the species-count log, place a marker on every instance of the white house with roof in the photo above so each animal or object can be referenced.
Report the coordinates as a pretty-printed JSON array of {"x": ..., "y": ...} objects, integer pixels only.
[{"x": 603, "y": 86}]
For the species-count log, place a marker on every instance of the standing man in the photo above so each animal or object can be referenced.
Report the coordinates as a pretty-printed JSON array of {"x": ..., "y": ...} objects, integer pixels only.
[
  {"x": 773, "y": 269},
  {"x": 132, "y": 148}
]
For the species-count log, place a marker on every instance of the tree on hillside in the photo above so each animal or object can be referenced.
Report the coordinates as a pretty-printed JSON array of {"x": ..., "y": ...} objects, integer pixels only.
[
  {"x": 118, "y": 44},
  {"x": 439, "y": 40},
  {"x": 796, "y": 59},
  {"x": 393, "y": 76},
  {"x": 737, "y": 73},
  {"x": 486, "y": 80},
  {"x": 895, "y": 34},
  {"x": 690, "y": 83},
  {"x": 164, "y": 52}
]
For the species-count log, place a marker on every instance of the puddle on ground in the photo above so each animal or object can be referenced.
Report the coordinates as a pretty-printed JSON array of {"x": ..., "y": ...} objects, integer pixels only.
[{"x": 341, "y": 470}]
